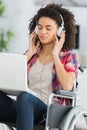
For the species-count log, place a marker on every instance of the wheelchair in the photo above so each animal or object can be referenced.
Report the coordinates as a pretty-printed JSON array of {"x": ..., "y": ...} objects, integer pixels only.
[
  {"x": 65, "y": 117},
  {"x": 60, "y": 117}
]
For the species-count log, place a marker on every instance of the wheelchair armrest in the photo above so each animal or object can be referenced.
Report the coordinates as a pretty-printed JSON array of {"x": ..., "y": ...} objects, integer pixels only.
[{"x": 65, "y": 93}]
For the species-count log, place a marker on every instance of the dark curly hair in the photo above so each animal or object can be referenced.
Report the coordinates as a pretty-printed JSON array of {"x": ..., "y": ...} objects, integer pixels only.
[{"x": 54, "y": 11}]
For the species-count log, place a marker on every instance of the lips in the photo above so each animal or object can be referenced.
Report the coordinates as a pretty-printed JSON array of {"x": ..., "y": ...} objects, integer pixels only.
[{"x": 43, "y": 37}]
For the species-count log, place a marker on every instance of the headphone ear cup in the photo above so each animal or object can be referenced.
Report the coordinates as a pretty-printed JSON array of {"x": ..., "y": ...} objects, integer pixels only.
[
  {"x": 36, "y": 29},
  {"x": 59, "y": 31}
]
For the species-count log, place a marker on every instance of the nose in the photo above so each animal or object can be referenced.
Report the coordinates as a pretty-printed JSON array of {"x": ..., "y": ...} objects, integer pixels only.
[{"x": 43, "y": 31}]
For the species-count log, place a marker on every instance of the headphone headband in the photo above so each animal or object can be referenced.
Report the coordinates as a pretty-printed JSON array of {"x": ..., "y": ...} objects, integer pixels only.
[
  {"x": 61, "y": 27},
  {"x": 62, "y": 24}
]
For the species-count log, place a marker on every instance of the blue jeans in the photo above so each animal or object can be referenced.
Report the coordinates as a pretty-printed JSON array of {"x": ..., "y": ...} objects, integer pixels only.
[
  {"x": 30, "y": 111},
  {"x": 8, "y": 108},
  {"x": 25, "y": 112}
]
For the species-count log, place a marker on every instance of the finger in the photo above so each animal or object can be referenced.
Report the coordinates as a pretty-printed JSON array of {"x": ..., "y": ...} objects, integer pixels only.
[
  {"x": 63, "y": 34},
  {"x": 62, "y": 38},
  {"x": 38, "y": 44},
  {"x": 56, "y": 39},
  {"x": 33, "y": 34},
  {"x": 33, "y": 37}
]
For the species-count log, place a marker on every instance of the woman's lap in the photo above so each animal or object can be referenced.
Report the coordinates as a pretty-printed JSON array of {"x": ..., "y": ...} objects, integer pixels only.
[
  {"x": 27, "y": 108},
  {"x": 31, "y": 114}
]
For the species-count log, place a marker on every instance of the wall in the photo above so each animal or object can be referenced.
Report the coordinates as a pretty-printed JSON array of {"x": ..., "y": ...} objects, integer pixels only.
[
  {"x": 82, "y": 87},
  {"x": 81, "y": 19},
  {"x": 16, "y": 17}
]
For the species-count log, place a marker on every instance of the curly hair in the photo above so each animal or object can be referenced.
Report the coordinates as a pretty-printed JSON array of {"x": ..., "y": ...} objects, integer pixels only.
[{"x": 54, "y": 11}]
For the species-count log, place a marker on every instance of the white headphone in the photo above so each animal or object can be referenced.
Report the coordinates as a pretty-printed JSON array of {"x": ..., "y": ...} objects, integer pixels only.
[
  {"x": 61, "y": 27},
  {"x": 36, "y": 29}
]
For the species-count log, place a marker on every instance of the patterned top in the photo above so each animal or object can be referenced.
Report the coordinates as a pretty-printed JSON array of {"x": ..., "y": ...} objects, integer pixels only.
[{"x": 70, "y": 64}]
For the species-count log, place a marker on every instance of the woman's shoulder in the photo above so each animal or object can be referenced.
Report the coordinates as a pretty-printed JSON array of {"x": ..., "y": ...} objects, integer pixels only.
[
  {"x": 33, "y": 59},
  {"x": 65, "y": 53},
  {"x": 68, "y": 56}
]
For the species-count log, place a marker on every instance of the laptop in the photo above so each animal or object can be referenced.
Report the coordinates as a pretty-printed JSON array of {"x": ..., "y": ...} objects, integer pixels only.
[{"x": 13, "y": 74}]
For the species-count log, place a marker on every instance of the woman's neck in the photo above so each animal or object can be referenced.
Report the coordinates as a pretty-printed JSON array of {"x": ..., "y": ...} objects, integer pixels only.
[
  {"x": 45, "y": 55},
  {"x": 47, "y": 49}
]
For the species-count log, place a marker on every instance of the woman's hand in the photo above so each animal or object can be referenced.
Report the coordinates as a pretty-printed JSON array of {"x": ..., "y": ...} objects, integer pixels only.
[
  {"x": 33, "y": 49},
  {"x": 58, "y": 44}
]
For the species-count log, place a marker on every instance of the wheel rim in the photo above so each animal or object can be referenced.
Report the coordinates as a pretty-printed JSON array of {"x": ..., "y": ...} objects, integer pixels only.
[{"x": 79, "y": 122}]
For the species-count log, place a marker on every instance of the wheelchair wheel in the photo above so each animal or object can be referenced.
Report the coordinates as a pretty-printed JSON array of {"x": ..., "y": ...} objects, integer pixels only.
[
  {"x": 4, "y": 126},
  {"x": 76, "y": 119},
  {"x": 79, "y": 123}
]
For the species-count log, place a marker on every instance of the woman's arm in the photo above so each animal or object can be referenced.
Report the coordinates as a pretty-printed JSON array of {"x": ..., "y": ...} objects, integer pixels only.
[{"x": 65, "y": 78}]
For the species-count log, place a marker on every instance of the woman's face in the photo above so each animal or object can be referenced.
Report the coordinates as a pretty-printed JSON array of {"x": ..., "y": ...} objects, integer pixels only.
[{"x": 46, "y": 30}]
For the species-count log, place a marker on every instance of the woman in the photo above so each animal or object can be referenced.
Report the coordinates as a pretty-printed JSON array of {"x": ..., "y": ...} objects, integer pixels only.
[{"x": 51, "y": 66}]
